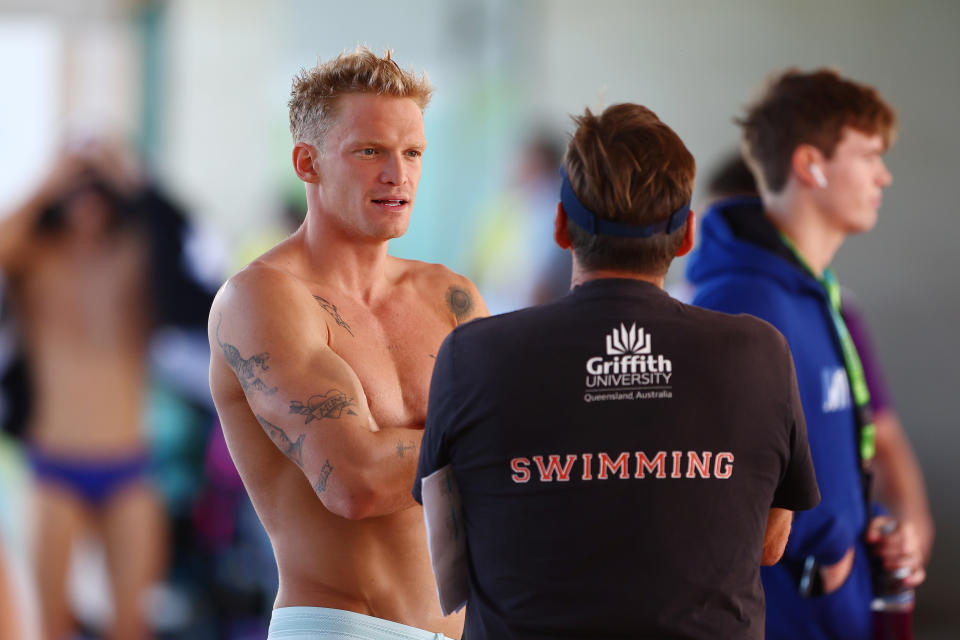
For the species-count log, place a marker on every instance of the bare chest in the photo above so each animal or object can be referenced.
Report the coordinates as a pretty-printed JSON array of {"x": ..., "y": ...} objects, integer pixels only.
[
  {"x": 96, "y": 298},
  {"x": 392, "y": 350}
]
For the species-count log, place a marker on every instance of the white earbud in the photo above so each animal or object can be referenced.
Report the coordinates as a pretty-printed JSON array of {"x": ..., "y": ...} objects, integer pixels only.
[{"x": 818, "y": 176}]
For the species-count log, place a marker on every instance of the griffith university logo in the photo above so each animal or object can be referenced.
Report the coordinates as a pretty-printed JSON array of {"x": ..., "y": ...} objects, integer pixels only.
[
  {"x": 628, "y": 342},
  {"x": 629, "y": 370}
]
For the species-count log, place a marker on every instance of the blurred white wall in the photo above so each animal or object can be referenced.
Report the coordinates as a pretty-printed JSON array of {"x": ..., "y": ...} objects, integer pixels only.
[
  {"x": 26, "y": 135},
  {"x": 66, "y": 75}
]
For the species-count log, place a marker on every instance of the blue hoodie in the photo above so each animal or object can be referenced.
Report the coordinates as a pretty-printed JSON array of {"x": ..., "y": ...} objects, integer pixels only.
[{"x": 742, "y": 266}]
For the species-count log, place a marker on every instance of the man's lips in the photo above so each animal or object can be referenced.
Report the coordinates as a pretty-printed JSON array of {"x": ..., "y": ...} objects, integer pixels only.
[{"x": 391, "y": 202}]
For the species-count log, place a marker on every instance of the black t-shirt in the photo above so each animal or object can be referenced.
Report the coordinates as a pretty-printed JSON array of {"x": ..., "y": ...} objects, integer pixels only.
[{"x": 617, "y": 453}]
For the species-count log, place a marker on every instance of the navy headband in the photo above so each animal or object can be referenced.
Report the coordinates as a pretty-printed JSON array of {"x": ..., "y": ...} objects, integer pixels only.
[{"x": 588, "y": 220}]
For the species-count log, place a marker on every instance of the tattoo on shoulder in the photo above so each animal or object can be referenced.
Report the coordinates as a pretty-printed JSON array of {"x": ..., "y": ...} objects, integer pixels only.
[
  {"x": 246, "y": 368},
  {"x": 331, "y": 308},
  {"x": 321, "y": 484},
  {"x": 293, "y": 450},
  {"x": 459, "y": 302},
  {"x": 331, "y": 405},
  {"x": 403, "y": 448}
]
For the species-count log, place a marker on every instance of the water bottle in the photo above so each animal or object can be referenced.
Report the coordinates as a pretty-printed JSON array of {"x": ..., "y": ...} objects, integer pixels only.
[{"x": 892, "y": 604}]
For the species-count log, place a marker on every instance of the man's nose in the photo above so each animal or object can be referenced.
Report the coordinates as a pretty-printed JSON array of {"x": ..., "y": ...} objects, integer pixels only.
[
  {"x": 885, "y": 177},
  {"x": 393, "y": 171}
]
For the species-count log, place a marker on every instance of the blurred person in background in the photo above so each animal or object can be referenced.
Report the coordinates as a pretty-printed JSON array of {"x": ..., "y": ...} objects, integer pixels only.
[
  {"x": 76, "y": 258},
  {"x": 897, "y": 477},
  {"x": 324, "y": 347},
  {"x": 815, "y": 143},
  {"x": 511, "y": 263}
]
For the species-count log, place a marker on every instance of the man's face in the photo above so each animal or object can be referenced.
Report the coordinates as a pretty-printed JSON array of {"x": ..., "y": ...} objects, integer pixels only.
[
  {"x": 855, "y": 179},
  {"x": 369, "y": 165}
]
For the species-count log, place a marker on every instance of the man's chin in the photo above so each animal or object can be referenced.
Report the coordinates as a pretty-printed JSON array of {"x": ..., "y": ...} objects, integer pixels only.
[{"x": 391, "y": 232}]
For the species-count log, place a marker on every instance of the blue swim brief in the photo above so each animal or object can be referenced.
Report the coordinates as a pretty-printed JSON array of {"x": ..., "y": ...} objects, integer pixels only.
[
  {"x": 318, "y": 623},
  {"x": 92, "y": 480}
]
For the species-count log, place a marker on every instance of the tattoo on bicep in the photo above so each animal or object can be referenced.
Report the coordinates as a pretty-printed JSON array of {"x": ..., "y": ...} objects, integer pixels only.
[
  {"x": 331, "y": 308},
  {"x": 403, "y": 448},
  {"x": 321, "y": 484},
  {"x": 332, "y": 405},
  {"x": 293, "y": 450},
  {"x": 245, "y": 368},
  {"x": 459, "y": 302}
]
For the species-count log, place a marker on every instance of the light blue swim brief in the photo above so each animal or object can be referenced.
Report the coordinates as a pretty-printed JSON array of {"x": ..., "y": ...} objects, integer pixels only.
[{"x": 318, "y": 623}]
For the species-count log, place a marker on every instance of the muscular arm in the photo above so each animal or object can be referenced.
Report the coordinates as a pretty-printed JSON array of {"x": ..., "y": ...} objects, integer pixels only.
[
  {"x": 268, "y": 337},
  {"x": 775, "y": 539}
]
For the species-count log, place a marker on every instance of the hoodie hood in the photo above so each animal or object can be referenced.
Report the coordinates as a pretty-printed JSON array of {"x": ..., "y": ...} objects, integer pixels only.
[{"x": 737, "y": 238}]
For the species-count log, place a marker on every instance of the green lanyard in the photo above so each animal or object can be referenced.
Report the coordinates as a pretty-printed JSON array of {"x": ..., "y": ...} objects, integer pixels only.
[{"x": 851, "y": 359}]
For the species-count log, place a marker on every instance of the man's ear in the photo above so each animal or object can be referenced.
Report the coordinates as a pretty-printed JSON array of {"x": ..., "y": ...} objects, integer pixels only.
[
  {"x": 304, "y": 156},
  {"x": 560, "y": 234},
  {"x": 804, "y": 157},
  {"x": 688, "y": 235}
]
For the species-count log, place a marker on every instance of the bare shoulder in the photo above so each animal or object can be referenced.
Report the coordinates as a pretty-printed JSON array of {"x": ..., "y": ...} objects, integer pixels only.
[
  {"x": 437, "y": 282},
  {"x": 259, "y": 283},
  {"x": 263, "y": 301}
]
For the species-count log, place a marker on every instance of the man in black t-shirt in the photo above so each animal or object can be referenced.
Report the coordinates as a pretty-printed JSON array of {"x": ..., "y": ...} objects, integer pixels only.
[{"x": 625, "y": 461}]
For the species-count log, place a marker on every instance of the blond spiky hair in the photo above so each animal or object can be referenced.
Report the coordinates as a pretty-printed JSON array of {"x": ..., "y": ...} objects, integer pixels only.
[{"x": 313, "y": 98}]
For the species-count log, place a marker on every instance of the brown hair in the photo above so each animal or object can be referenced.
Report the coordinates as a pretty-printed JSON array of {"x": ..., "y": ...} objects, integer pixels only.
[
  {"x": 813, "y": 108},
  {"x": 628, "y": 166},
  {"x": 313, "y": 98}
]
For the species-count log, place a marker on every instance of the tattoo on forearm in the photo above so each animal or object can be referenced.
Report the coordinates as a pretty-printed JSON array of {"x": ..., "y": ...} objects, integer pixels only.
[
  {"x": 459, "y": 302},
  {"x": 293, "y": 450},
  {"x": 332, "y": 404},
  {"x": 321, "y": 484},
  {"x": 331, "y": 308},
  {"x": 403, "y": 448},
  {"x": 245, "y": 369}
]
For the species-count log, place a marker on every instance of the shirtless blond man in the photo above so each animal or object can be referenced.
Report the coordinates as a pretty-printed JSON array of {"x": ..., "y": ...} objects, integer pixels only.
[
  {"x": 77, "y": 271},
  {"x": 325, "y": 346}
]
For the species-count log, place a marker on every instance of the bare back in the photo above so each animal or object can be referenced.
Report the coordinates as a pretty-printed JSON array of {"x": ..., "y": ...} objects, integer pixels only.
[{"x": 339, "y": 384}]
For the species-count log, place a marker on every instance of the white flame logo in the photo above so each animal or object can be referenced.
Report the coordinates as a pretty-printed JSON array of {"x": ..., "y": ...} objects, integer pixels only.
[{"x": 624, "y": 341}]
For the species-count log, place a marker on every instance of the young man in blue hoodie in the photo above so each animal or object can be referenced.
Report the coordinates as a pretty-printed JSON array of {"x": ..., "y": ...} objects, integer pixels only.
[{"x": 815, "y": 142}]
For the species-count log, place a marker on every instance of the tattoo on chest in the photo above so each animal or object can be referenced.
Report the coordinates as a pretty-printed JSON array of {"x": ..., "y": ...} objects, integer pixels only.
[
  {"x": 331, "y": 308},
  {"x": 403, "y": 448},
  {"x": 293, "y": 450},
  {"x": 321, "y": 484},
  {"x": 331, "y": 405},
  {"x": 246, "y": 368},
  {"x": 459, "y": 302}
]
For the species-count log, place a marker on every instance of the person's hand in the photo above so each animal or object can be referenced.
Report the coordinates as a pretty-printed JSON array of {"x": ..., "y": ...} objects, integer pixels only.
[
  {"x": 898, "y": 545},
  {"x": 834, "y": 575},
  {"x": 65, "y": 173},
  {"x": 114, "y": 164}
]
